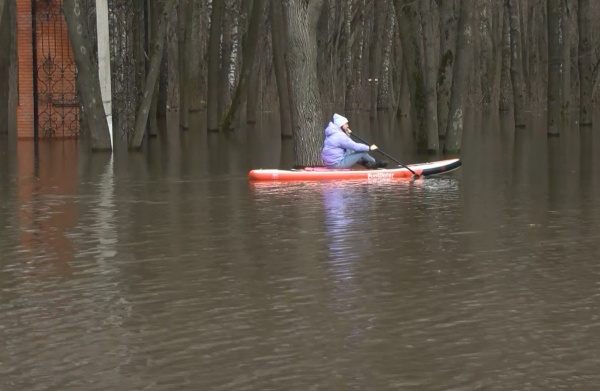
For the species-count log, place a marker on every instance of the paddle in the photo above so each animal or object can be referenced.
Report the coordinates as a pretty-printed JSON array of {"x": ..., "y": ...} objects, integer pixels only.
[{"x": 386, "y": 155}]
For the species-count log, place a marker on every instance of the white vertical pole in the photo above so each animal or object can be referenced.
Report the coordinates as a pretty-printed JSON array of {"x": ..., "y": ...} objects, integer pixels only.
[{"x": 104, "y": 61}]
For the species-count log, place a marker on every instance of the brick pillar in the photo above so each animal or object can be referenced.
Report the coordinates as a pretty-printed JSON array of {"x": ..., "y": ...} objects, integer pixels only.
[{"x": 25, "y": 112}]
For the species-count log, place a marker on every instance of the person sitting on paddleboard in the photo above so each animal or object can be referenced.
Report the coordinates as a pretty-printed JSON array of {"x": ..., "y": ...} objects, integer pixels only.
[{"x": 339, "y": 151}]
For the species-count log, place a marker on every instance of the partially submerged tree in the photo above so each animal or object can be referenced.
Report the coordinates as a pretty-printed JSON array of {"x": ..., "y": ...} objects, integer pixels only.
[
  {"x": 88, "y": 79},
  {"x": 302, "y": 18},
  {"x": 152, "y": 78},
  {"x": 555, "y": 65},
  {"x": 214, "y": 55},
  {"x": 460, "y": 77},
  {"x": 585, "y": 62},
  {"x": 516, "y": 62}
]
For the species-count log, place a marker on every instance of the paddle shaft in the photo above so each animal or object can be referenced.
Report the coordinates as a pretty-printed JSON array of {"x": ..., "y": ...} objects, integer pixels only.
[{"x": 384, "y": 154}]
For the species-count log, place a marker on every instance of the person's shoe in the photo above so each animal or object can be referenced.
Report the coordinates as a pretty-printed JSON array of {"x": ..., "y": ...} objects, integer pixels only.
[
  {"x": 371, "y": 165},
  {"x": 381, "y": 164}
]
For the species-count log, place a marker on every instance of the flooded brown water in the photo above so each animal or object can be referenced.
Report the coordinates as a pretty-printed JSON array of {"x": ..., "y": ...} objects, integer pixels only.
[{"x": 167, "y": 270}]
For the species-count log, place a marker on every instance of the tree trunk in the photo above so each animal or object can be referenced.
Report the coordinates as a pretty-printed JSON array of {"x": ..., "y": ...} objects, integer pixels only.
[
  {"x": 185, "y": 49},
  {"x": 195, "y": 58},
  {"x": 348, "y": 36},
  {"x": 278, "y": 42},
  {"x": 153, "y": 12},
  {"x": 505, "y": 83},
  {"x": 384, "y": 98},
  {"x": 88, "y": 80},
  {"x": 516, "y": 62},
  {"x": 409, "y": 17},
  {"x": 302, "y": 19},
  {"x": 153, "y": 71},
  {"x": 248, "y": 58},
  {"x": 231, "y": 22},
  {"x": 252, "y": 93},
  {"x": 214, "y": 54},
  {"x": 460, "y": 77},
  {"x": 448, "y": 31},
  {"x": 430, "y": 77},
  {"x": 565, "y": 23},
  {"x": 585, "y": 62},
  {"x": 381, "y": 8},
  {"x": 555, "y": 66}
]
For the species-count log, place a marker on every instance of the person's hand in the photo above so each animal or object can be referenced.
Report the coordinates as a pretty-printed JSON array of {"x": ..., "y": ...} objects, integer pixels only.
[{"x": 373, "y": 147}]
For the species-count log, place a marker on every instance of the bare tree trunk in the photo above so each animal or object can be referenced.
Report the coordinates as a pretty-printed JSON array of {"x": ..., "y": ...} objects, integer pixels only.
[
  {"x": 153, "y": 12},
  {"x": 384, "y": 99},
  {"x": 231, "y": 22},
  {"x": 433, "y": 144},
  {"x": 214, "y": 55},
  {"x": 565, "y": 22},
  {"x": 248, "y": 59},
  {"x": 516, "y": 63},
  {"x": 585, "y": 62},
  {"x": 185, "y": 49},
  {"x": 153, "y": 71},
  {"x": 252, "y": 93},
  {"x": 460, "y": 77},
  {"x": 354, "y": 94},
  {"x": 555, "y": 66},
  {"x": 278, "y": 42},
  {"x": 381, "y": 8},
  {"x": 302, "y": 19},
  {"x": 410, "y": 33},
  {"x": 88, "y": 80},
  {"x": 195, "y": 58},
  {"x": 505, "y": 83},
  {"x": 448, "y": 30},
  {"x": 348, "y": 36}
]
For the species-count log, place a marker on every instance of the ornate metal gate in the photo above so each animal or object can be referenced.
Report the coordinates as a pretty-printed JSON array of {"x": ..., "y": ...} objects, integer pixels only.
[{"x": 56, "y": 103}]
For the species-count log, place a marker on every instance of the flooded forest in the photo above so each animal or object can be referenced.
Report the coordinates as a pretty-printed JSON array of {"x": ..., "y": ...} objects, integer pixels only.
[{"x": 234, "y": 60}]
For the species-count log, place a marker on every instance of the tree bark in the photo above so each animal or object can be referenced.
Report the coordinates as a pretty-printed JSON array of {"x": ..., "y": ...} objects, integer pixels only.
[
  {"x": 302, "y": 19},
  {"x": 248, "y": 59},
  {"x": 565, "y": 23},
  {"x": 430, "y": 77},
  {"x": 460, "y": 77},
  {"x": 153, "y": 115},
  {"x": 348, "y": 36},
  {"x": 88, "y": 80},
  {"x": 278, "y": 41},
  {"x": 228, "y": 67},
  {"x": 153, "y": 71},
  {"x": 555, "y": 66},
  {"x": 585, "y": 62},
  {"x": 384, "y": 100},
  {"x": 448, "y": 31},
  {"x": 252, "y": 93},
  {"x": 408, "y": 16},
  {"x": 375, "y": 52},
  {"x": 505, "y": 82},
  {"x": 516, "y": 63},
  {"x": 185, "y": 49},
  {"x": 214, "y": 55},
  {"x": 195, "y": 58}
]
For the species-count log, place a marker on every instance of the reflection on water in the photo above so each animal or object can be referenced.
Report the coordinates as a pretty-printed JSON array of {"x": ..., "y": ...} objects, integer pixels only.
[{"x": 170, "y": 271}]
